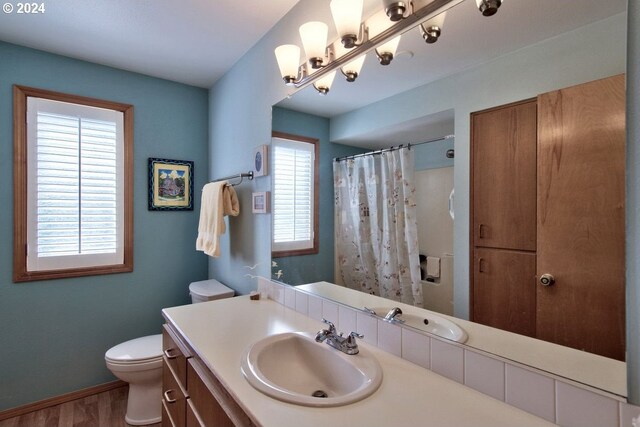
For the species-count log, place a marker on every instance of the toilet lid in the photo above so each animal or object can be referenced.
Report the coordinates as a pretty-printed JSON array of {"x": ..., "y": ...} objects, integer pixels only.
[
  {"x": 149, "y": 347},
  {"x": 211, "y": 289}
]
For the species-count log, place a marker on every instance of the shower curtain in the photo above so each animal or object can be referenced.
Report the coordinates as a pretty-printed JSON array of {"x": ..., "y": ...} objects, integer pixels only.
[{"x": 375, "y": 225}]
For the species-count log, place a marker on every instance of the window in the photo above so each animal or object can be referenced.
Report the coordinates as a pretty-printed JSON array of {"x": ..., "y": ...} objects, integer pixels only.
[
  {"x": 295, "y": 195},
  {"x": 73, "y": 211}
]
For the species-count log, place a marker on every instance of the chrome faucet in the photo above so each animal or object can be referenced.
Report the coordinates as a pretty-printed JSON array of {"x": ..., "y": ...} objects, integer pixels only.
[
  {"x": 392, "y": 315},
  {"x": 346, "y": 345}
]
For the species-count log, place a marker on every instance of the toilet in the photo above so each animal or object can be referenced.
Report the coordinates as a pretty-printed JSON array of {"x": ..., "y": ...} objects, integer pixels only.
[
  {"x": 209, "y": 290},
  {"x": 139, "y": 363}
]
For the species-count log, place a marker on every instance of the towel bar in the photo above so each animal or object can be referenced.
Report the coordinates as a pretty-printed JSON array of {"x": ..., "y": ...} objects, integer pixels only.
[{"x": 240, "y": 175}]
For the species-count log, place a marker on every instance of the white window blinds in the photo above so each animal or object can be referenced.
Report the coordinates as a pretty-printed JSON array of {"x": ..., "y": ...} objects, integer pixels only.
[
  {"x": 75, "y": 185},
  {"x": 293, "y": 198}
]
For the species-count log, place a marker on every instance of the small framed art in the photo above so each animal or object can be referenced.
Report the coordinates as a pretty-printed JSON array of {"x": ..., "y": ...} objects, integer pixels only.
[
  {"x": 260, "y": 202},
  {"x": 170, "y": 185},
  {"x": 261, "y": 160}
]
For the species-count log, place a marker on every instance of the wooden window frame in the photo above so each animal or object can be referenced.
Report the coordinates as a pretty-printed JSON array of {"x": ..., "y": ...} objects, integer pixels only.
[
  {"x": 316, "y": 196},
  {"x": 20, "y": 166}
]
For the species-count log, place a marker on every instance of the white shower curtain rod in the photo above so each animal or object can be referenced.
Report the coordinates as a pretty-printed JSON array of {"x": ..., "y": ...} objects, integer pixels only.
[{"x": 442, "y": 138}]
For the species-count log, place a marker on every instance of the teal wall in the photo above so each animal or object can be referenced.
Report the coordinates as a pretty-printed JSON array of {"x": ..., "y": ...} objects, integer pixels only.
[
  {"x": 433, "y": 155},
  {"x": 54, "y": 333},
  {"x": 239, "y": 120},
  {"x": 312, "y": 268}
]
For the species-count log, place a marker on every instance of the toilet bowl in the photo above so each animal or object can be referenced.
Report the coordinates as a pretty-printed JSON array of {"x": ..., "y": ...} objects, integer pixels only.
[{"x": 139, "y": 363}]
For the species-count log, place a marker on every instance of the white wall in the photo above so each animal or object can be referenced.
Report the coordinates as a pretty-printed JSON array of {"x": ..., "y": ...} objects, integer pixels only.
[{"x": 435, "y": 234}]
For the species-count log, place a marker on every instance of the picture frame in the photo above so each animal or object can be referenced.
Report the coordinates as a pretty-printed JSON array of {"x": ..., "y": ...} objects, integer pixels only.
[
  {"x": 170, "y": 185},
  {"x": 261, "y": 160},
  {"x": 260, "y": 202}
]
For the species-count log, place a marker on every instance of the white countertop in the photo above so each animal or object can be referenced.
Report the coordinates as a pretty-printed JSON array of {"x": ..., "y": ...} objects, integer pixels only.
[
  {"x": 220, "y": 332},
  {"x": 591, "y": 369}
]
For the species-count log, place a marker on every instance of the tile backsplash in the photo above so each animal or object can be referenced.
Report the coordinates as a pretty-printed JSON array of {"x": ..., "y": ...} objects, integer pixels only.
[{"x": 547, "y": 396}]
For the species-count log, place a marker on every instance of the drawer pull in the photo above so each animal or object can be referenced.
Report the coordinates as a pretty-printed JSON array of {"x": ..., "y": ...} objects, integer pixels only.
[
  {"x": 167, "y": 398},
  {"x": 480, "y": 265},
  {"x": 481, "y": 231},
  {"x": 168, "y": 354}
]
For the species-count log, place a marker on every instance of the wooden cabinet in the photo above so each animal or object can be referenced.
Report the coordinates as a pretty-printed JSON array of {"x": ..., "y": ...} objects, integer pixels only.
[
  {"x": 174, "y": 379},
  {"x": 505, "y": 279},
  {"x": 503, "y": 224},
  {"x": 192, "y": 395},
  {"x": 504, "y": 177},
  {"x": 548, "y": 198}
]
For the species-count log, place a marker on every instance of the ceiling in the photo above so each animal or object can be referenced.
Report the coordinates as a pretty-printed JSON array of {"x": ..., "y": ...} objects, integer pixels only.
[
  {"x": 197, "y": 41},
  {"x": 189, "y": 41}
]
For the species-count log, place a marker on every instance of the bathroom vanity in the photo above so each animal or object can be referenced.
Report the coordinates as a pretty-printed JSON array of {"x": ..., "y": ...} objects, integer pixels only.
[
  {"x": 191, "y": 395},
  {"x": 204, "y": 386}
]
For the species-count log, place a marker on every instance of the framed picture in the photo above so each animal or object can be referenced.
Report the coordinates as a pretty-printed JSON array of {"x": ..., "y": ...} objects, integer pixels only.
[
  {"x": 170, "y": 185},
  {"x": 260, "y": 202},
  {"x": 260, "y": 160}
]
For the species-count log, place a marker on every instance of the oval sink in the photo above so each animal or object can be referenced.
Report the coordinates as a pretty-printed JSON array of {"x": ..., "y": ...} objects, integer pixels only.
[
  {"x": 432, "y": 323},
  {"x": 294, "y": 368}
]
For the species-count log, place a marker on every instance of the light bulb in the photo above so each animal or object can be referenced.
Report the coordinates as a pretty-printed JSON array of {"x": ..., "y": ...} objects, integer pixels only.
[
  {"x": 347, "y": 15},
  {"x": 351, "y": 70},
  {"x": 323, "y": 84},
  {"x": 288, "y": 57},
  {"x": 314, "y": 40}
]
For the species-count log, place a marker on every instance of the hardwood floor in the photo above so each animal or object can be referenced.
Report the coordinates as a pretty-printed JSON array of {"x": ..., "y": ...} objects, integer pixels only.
[{"x": 105, "y": 409}]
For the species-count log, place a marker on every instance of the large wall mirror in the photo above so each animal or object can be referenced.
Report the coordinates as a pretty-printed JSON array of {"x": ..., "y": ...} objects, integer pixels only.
[{"x": 425, "y": 99}]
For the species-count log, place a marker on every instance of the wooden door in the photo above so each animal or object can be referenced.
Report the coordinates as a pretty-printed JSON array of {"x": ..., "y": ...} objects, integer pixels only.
[
  {"x": 504, "y": 294},
  {"x": 504, "y": 176},
  {"x": 580, "y": 232}
]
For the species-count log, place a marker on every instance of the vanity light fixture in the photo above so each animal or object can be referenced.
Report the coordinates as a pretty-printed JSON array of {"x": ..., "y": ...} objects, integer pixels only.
[
  {"x": 488, "y": 7},
  {"x": 351, "y": 69},
  {"x": 323, "y": 84},
  {"x": 432, "y": 29},
  {"x": 288, "y": 57},
  {"x": 396, "y": 10},
  {"x": 378, "y": 24},
  {"x": 347, "y": 15},
  {"x": 378, "y": 33},
  {"x": 314, "y": 40}
]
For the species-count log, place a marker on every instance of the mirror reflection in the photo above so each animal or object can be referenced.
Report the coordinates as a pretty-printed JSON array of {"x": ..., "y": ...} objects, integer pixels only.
[{"x": 407, "y": 223}]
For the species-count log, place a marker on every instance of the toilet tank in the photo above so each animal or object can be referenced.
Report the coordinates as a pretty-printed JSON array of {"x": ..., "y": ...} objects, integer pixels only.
[{"x": 209, "y": 290}]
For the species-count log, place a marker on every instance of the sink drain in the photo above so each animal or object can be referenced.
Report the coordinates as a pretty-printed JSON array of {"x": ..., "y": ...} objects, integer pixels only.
[
  {"x": 426, "y": 321},
  {"x": 319, "y": 393}
]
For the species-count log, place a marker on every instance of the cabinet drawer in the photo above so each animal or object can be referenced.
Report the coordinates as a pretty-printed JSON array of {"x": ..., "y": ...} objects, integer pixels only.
[
  {"x": 166, "y": 418},
  {"x": 175, "y": 354},
  {"x": 193, "y": 420},
  {"x": 204, "y": 401},
  {"x": 504, "y": 290},
  {"x": 211, "y": 401},
  {"x": 173, "y": 396}
]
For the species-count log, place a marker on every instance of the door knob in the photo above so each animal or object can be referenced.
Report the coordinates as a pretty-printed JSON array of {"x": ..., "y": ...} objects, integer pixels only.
[{"x": 547, "y": 279}]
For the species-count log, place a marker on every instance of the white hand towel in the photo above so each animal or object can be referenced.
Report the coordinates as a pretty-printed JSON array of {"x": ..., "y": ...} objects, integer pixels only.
[
  {"x": 218, "y": 200},
  {"x": 433, "y": 266}
]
